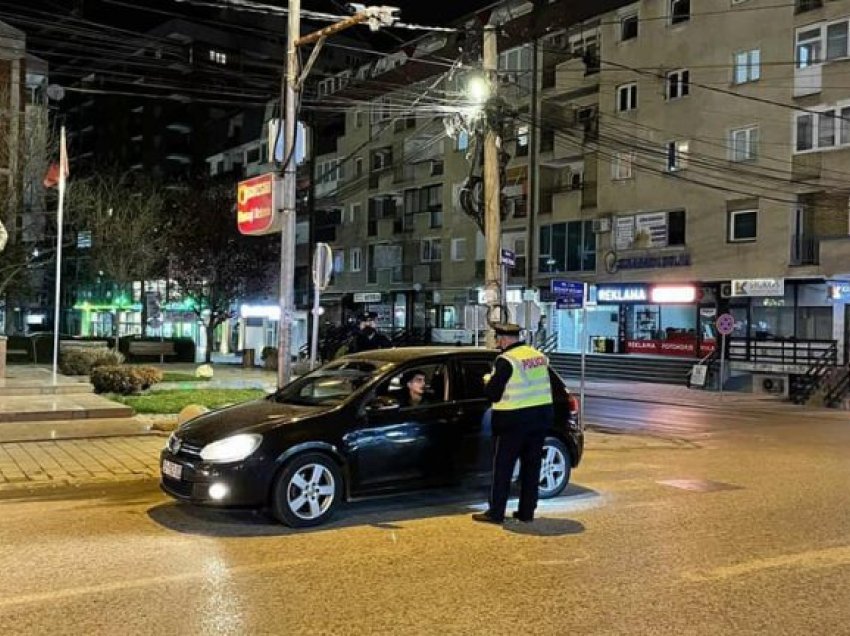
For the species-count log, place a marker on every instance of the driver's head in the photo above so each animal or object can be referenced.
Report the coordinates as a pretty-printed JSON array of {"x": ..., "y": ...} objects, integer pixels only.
[{"x": 414, "y": 380}]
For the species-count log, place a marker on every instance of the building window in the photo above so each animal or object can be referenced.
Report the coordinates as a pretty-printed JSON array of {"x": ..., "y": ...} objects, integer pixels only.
[
  {"x": 358, "y": 119},
  {"x": 836, "y": 40},
  {"x": 676, "y": 227},
  {"x": 627, "y": 97},
  {"x": 459, "y": 249},
  {"x": 678, "y": 84},
  {"x": 743, "y": 144},
  {"x": 339, "y": 261},
  {"x": 355, "y": 260},
  {"x": 677, "y": 155},
  {"x": 356, "y": 212},
  {"x": 680, "y": 11},
  {"x": 566, "y": 247},
  {"x": 622, "y": 166},
  {"x": 522, "y": 141},
  {"x": 358, "y": 167},
  {"x": 747, "y": 66},
  {"x": 462, "y": 141},
  {"x": 436, "y": 167},
  {"x": 218, "y": 57},
  {"x": 629, "y": 27},
  {"x": 430, "y": 250},
  {"x": 825, "y": 129},
  {"x": 743, "y": 225},
  {"x": 808, "y": 47}
]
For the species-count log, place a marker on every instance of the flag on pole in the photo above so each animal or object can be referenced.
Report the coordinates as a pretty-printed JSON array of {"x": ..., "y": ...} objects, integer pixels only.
[{"x": 57, "y": 171}]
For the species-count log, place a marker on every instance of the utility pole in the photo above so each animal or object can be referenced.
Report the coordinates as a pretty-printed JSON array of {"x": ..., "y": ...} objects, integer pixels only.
[
  {"x": 492, "y": 187},
  {"x": 287, "y": 231},
  {"x": 375, "y": 17}
]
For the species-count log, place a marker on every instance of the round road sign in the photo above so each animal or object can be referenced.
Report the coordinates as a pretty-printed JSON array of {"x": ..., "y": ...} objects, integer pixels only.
[{"x": 725, "y": 324}]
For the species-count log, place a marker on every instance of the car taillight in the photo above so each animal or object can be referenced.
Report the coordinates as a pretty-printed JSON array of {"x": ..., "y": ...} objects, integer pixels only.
[{"x": 572, "y": 404}]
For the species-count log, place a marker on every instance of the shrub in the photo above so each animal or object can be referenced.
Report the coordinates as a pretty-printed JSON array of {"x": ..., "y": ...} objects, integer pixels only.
[
  {"x": 148, "y": 376},
  {"x": 79, "y": 361},
  {"x": 269, "y": 357},
  {"x": 116, "y": 379}
]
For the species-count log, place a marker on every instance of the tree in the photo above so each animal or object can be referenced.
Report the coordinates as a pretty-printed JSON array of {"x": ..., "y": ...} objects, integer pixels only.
[
  {"x": 27, "y": 144},
  {"x": 210, "y": 261},
  {"x": 125, "y": 217}
]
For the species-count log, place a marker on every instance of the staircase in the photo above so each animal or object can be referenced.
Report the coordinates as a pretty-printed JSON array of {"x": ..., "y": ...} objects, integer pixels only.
[
  {"x": 624, "y": 367},
  {"x": 837, "y": 387},
  {"x": 819, "y": 374}
]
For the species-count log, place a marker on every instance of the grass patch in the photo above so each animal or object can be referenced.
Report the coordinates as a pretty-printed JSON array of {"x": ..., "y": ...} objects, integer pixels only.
[
  {"x": 174, "y": 401},
  {"x": 176, "y": 376}
]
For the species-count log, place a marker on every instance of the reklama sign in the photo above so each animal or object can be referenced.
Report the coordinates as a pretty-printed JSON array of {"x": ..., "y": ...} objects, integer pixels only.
[{"x": 256, "y": 209}]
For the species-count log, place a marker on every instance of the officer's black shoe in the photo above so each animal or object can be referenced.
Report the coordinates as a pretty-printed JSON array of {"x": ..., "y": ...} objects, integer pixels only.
[
  {"x": 485, "y": 517},
  {"x": 517, "y": 516}
]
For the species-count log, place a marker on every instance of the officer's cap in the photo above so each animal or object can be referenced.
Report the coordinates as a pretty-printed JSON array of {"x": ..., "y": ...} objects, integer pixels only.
[
  {"x": 366, "y": 317},
  {"x": 506, "y": 329}
]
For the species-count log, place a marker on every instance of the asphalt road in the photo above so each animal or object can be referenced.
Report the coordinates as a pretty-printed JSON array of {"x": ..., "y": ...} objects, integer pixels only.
[{"x": 709, "y": 522}]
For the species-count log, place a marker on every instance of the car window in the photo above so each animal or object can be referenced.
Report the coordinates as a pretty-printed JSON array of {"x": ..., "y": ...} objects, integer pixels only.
[
  {"x": 435, "y": 390},
  {"x": 331, "y": 384},
  {"x": 473, "y": 372}
]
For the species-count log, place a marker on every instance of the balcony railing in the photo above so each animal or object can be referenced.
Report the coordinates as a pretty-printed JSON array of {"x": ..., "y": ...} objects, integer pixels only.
[{"x": 804, "y": 250}]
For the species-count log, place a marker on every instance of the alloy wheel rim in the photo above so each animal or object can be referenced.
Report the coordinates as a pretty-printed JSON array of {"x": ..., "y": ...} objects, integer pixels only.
[
  {"x": 553, "y": 469},
  {"x": 311, "y": 491}
]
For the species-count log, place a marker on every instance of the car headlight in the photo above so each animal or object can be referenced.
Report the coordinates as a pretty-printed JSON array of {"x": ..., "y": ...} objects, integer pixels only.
[{"x": 231, "y": 449}]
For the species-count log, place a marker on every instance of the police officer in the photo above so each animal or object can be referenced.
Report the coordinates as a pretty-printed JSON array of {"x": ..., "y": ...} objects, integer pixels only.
[{"x": 521, "y": 393}]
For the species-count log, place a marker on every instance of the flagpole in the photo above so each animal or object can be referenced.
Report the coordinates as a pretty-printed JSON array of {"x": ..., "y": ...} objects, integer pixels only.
[{"x": 63, "y": 171}]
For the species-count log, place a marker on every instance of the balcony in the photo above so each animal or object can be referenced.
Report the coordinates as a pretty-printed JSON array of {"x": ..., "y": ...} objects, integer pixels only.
[{"x": 801, "y": 6}]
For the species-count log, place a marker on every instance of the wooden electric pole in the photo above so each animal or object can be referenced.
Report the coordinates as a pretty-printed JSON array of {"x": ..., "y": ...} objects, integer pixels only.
[{"x": 492, "y": 189}]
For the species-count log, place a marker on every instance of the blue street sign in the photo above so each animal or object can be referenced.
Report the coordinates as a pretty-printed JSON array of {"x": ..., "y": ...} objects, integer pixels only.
[
  {"x": 508, "y": 258},
  {"x": 568, "y": 294}
]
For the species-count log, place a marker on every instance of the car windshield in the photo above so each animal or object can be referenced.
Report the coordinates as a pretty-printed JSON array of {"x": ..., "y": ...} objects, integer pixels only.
[{"x": 332, "y": 384}]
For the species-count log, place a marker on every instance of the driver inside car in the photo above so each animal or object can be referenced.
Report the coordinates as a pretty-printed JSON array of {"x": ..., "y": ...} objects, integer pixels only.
[{"x": 413, "y": 391}]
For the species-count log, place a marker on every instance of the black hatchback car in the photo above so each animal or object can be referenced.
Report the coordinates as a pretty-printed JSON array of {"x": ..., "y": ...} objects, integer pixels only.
[{"x": 342, "y": 433}]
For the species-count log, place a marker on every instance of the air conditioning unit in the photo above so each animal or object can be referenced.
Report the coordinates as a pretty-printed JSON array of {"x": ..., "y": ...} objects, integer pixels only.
[
  {"x": 602, "y": 224},
  {"x": 726, "y": 290},
  {"x": 770, "y": 384}
]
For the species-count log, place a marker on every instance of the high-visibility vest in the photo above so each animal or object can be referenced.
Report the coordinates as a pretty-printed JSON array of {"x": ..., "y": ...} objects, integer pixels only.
[{"x": 529, "y": 383}]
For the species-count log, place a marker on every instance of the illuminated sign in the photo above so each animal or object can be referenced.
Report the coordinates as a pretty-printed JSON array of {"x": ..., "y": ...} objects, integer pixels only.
[
  {"x": 256, "y": 205},
  {"x": 759, "y": 287},
  {"x": 673, "y": 294},
  {"x": 269, "y": 312},
  {"x": 636, "y": 293}
]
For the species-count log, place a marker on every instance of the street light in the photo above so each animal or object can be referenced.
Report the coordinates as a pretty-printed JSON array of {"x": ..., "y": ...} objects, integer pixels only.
[{"x": 478, "y": 89}]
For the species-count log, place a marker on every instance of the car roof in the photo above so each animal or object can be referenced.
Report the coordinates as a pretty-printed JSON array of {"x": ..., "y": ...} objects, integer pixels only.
[{"x": 399, "y": 355}]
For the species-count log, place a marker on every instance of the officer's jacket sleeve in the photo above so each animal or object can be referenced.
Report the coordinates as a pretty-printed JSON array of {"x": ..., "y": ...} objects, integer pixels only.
[{"x": 499, "y": 380}]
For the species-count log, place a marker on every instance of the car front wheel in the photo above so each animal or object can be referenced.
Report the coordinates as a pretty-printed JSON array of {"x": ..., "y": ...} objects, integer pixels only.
[{"x": 307, "y": 490}]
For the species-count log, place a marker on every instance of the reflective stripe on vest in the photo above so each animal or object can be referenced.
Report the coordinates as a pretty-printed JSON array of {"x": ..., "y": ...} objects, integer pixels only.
[{"x": 529, "y": 383}]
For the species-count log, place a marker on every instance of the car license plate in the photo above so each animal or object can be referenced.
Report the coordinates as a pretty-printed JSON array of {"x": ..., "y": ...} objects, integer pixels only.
[{"x": 172, "y": 469}]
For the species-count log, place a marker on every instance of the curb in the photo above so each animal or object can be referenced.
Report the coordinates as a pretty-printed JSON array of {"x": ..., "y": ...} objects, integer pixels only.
[{"x": 25, "y": 489}]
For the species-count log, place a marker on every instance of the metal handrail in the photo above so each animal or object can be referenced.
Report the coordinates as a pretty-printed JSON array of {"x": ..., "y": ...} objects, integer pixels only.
[
  {"x": 838, "y": 389},
  {"x": 814, "y": 375}
]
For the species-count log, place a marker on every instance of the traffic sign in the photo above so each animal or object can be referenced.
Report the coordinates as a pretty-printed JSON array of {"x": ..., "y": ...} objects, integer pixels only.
[
  {"x": 725, "y": 324},
  {"x": 568, "y": 294},
  {"x": 508, "y": 258}
]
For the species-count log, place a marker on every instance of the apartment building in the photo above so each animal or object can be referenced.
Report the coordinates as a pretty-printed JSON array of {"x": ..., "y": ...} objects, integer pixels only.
[{"x": 699, "y": 167}]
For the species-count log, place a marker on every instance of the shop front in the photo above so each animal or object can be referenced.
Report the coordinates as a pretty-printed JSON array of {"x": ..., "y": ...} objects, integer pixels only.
[{"x": 639, "y": 318}]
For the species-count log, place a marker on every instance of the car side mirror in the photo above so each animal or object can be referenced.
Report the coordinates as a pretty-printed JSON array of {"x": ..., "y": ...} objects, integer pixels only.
[{"x": 382, "y": 403}]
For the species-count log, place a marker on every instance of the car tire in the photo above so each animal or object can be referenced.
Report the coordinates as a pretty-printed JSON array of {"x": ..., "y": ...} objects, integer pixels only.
[
  {"x": 556, "y": 468},
  {"x": 307, "y": 490}
]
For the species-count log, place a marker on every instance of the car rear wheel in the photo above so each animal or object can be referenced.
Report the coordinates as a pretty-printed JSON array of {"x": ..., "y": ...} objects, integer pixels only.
[
  {"x": 555, "y": 469},
  {"x": 307, "y": 490}
]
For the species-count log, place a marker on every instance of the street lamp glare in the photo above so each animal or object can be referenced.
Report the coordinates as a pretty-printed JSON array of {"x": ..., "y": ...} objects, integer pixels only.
[{"x": 478, "y": 89}]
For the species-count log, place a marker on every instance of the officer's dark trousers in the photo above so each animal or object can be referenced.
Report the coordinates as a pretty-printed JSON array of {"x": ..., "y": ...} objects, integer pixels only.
[{"x": 527, "y": 446}]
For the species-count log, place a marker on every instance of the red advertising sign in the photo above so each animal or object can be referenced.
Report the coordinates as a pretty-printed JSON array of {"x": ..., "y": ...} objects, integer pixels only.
[
  {"x": 256, "y": 207},
  {"x": 662, "y": 347}
]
